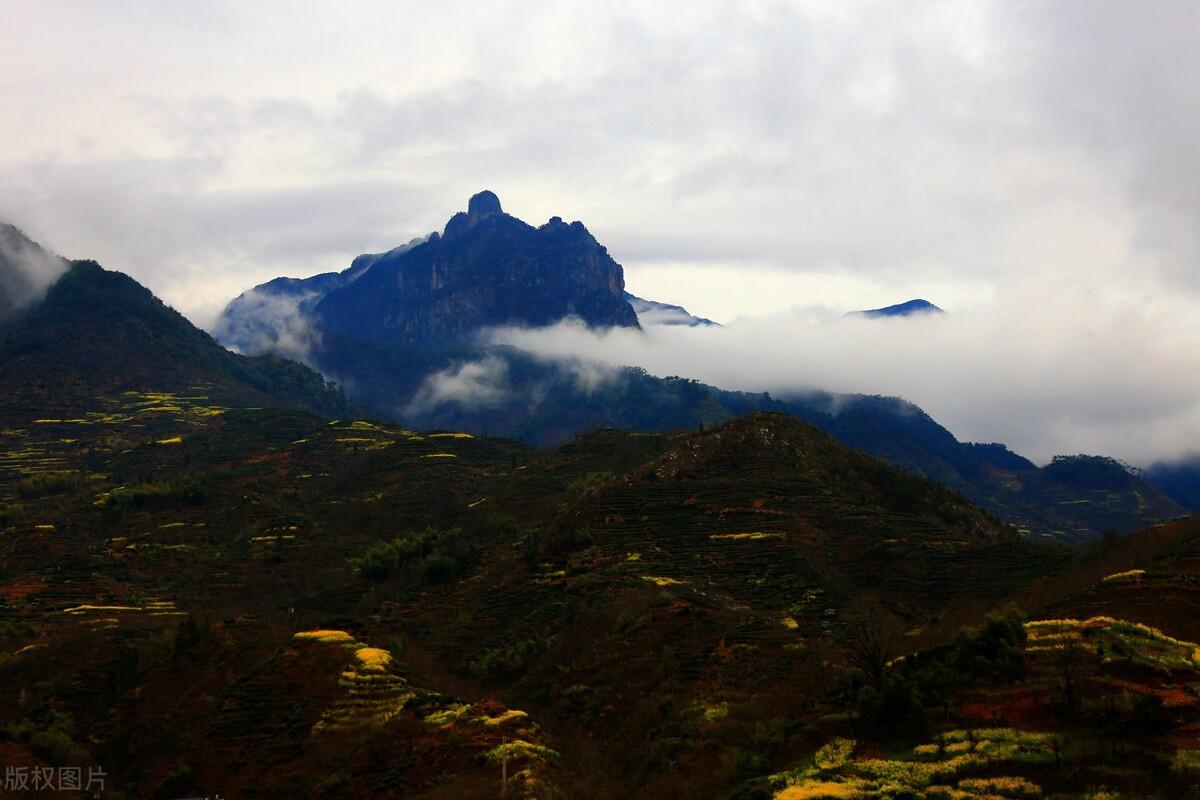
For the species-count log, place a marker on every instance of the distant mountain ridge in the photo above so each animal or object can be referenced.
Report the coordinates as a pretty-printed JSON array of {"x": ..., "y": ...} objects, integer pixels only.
[
  {"x": 908, "y": 308},
  {"x": 651, "y": 312},
  {"x": 1179, "y": 479}
]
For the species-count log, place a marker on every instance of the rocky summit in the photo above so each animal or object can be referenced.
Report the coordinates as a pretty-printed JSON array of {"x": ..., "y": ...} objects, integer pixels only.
[{"x": 486, "y": 269}]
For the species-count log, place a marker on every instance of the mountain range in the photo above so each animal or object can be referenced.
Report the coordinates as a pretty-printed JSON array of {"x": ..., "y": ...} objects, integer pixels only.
[
  {"x": 218, "y": 574},
  {"x": 406, "y": 333},
  {"x": 99, "y": 332}
]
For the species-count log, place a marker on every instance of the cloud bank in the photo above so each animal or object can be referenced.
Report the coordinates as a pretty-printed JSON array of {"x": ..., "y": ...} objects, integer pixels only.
[{"x": 1070, "y": 373}]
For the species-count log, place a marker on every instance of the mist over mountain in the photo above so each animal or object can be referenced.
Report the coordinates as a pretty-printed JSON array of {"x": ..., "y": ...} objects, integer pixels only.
[
  {"x": 26, "y": 270},
  {"x": 652, "y": 312},
  {"x": 276, "y": 317},
  {"x": 486, "y": 269},
  {"x": 1180, "y": 480},
  {"x": 89, "y": 333},
  {"x": 424, "y": 334}
]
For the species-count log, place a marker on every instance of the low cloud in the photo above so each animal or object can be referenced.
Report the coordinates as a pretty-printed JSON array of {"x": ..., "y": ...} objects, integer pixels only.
[
  {"x": 474, "y": 384},
  {"x": 1079, "y": 374},
  {"x": 26, "y": 271},
  {"x": 261, "y": 322}
]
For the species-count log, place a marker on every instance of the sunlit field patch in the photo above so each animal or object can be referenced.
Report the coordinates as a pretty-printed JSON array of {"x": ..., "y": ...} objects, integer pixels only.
[
  {"x": 449, "y": 715},
  {"x": 658, "y": 580},
  {"x": 510, "y": 715},
  {"x": 1187, "y": 761},
  {"x": 1117, "y": 638},
  {"x": 326, "y": 636},
  {"x": 1129, "y": 576},
  {"x": 933, "y": 771},
  {"x": 372, "y": 694},
  {"x": 373, "y": 659},
  {"x": 822, "y": 790},
  {"x": 715, "y": 712},
  {"x": 749, "y": 536},
  {"x": 154, "y": 608}
]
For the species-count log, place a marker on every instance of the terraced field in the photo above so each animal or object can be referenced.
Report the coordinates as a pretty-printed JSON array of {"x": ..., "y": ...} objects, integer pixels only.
[
  {"x": 1129, "y": 685},
  {"x": 182, "y": 601}
]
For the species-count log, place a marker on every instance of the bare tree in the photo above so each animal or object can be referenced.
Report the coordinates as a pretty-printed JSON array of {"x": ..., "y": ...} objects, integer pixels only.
[
  {"x": 1068, "y": 656},
  {"x": 872, "y": 640}
]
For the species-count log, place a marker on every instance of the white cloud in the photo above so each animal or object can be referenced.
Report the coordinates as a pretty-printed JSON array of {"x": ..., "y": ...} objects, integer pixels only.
[
  {"x": 267, "y": 322},
  {"x": 472, "y": 384},
  {"x": 1065, "y": 372},
  {"x": 26, "y": 271}
]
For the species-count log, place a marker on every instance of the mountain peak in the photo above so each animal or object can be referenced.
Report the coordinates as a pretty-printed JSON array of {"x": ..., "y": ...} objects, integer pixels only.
[
  {"x": 908, "y": 308},
  {"x": 483, "y": 205},
  {"x": 487, "y": 269}
]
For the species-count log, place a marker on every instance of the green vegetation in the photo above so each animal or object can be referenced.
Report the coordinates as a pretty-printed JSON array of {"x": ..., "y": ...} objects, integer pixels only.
[
  {"x": 898, "y": 697},
  {"x": 582, "y": 485},
  {"x": 141, "y": 496},
  {"x": 510, "y": 660},
  {"x": 438, "y": 553},
  {"x": 48, "y": 483},
  {"x": 950, "y": 767},
  {"x": 1089, "y": 472},
  {"x": 52, "y": 739}
]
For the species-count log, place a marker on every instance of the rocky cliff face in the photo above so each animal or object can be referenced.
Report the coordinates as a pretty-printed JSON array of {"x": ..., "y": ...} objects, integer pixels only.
[{"x": 486, "y": 269}]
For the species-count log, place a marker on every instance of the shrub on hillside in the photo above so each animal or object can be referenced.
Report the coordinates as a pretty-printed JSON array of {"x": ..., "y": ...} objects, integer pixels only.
[
  {"x": 49, "y": 483},
  {"x": 190, "y": 492},
  {"x": 437, "y": 553}
]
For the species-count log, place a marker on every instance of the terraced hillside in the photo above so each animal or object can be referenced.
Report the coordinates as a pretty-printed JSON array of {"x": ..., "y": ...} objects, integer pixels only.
[
  {"x": 98, "y": 333},
  {"x": 1151, "y": 577},
  {"x": 1088, "y": 709},
  {"x": 778, "y": 496},
  {"x": 670, "y": 613}
]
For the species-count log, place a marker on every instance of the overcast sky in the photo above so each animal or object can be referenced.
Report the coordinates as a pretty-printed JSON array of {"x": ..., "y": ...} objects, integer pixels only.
[{"x": 741, "y": 159}]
